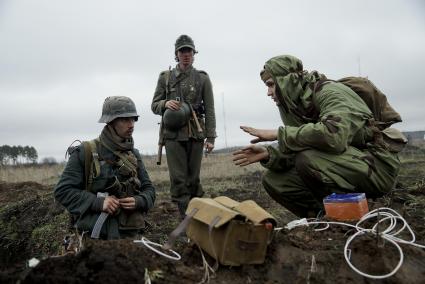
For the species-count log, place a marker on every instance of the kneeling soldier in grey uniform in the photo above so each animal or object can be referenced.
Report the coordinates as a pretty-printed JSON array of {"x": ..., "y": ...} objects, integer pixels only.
[{"x": 105, "y": 185}]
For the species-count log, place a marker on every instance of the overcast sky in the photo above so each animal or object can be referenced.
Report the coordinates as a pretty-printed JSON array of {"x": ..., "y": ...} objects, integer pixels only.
[{"x": 59, "y": 60}]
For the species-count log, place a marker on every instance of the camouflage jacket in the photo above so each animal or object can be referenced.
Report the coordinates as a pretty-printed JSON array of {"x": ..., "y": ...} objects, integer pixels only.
[
  {"x": 328, "y": 120},
  {"x": 193, "y": 87},
  {"x": 84, "y": 205}
]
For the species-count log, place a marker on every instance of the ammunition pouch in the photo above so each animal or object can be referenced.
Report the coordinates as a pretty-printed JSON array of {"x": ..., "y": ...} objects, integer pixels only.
[
  {"x": 124, "y": 169},
  {"x": 234, "y": 233},
  {"x": 127, "y": 219},
  {"x": 123, "y": 189},
  {"x": 131, "y": 220}
]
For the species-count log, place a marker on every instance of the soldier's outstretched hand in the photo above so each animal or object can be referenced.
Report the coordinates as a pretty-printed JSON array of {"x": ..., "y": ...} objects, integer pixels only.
[
  {"x": 250, "y": 154},
  {"x": 261, "y": 134}
]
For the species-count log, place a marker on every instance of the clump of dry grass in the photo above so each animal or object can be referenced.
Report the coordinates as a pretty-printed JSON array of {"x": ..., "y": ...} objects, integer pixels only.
[
  {"x": 43, "y": 174},
  {"x": 213, "y": 166}
]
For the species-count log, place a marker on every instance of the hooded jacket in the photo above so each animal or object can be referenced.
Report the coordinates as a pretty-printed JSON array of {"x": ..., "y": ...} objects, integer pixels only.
[{"x": 328, "y": 119}]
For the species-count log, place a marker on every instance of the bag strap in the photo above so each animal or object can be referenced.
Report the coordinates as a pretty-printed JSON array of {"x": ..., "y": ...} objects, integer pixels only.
[
  {"x": 167, "y": 82},
  {"x": 179, "y": 229},
  {"x": 91, "y": 162},
  {"x": 87, "y": 163},
  {"x": 210, "y": 238}
]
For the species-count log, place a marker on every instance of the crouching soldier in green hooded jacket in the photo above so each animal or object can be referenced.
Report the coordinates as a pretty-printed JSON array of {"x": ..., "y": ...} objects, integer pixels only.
[
  {"x": 330, "y": 142},
  {"x": 105, "y": 185}
]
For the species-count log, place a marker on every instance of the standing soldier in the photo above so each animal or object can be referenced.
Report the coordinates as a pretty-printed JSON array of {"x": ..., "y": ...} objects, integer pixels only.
[{"x": 184, "y": 99}]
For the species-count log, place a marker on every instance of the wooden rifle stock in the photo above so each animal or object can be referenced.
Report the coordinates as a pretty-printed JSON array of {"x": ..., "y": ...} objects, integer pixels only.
[
  {"x": 195, "y": 118},
  {"x": 159, "y": 155},
  {"x": 161, "y": 143}
]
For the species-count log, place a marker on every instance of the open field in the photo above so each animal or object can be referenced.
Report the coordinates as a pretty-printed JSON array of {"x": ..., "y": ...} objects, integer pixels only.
[
  {"x": 32, "y": 224},
  {"x": 214, "y": 165}
]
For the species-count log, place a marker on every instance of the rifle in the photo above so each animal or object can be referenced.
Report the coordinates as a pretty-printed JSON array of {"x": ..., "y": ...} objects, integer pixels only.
[
  {"x": 195, "y": 118},
  {"x": 160, "y": 145},
  {"x": 161, "y": 141}
]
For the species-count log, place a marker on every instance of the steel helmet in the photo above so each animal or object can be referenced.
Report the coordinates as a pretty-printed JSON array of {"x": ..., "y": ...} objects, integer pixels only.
[
  {"x": 117, "y": 106},
  {"x": 176, "y": 119},
  {"x": 184, "y": 41}
]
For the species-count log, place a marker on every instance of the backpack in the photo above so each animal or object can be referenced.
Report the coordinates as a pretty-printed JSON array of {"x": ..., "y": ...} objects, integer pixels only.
[
  {"x": 383, "y": 113},
  {"x": 91, "y": 160}
]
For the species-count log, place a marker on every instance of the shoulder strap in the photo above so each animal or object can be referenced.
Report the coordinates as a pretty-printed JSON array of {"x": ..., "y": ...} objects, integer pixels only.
[
  {"x": 318, "y": 85},
  {"x": 87, "y": 163},
  {"x": 167, "y": 81},
  {"x": 91, "y": 163}
]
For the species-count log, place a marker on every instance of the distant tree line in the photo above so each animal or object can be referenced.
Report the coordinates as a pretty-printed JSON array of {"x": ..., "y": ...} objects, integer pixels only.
[{"x": 14, "y": 155}]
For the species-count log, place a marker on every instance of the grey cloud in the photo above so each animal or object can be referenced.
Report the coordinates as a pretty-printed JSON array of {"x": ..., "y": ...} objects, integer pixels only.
[{"x": 60, "y": 59}]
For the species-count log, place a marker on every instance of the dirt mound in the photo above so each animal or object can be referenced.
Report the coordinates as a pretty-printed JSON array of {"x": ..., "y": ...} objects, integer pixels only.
[
  {"x": 111, "y": 262},
  {"x": 298, "y": 256},
  {"x": 31, "y": 224},
  {"x": 13, "y": 192},
  {"x": 306, "y": 256}
]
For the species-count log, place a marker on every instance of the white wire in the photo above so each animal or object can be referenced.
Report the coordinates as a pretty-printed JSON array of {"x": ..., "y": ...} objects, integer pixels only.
[
  {"x": 347, "y": 258},
  {"x": 149, "y": 244},
  {"x": 387, "y": 233}
]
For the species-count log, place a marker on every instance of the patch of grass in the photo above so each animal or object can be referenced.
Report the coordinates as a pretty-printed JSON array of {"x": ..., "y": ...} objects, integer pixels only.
[
  {"x": 43, "y": 174},
  {"x": 47, "y": 239}
]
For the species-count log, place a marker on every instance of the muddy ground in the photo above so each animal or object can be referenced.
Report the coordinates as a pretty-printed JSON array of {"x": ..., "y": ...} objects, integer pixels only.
[{"x": 33, "y": 225}]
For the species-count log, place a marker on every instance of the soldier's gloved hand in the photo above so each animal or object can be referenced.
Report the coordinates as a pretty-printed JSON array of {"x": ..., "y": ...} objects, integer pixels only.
[
  {"x": 261, "y": 134},
  {"x": 209, "y": 147},
  {"x": 110, "y": 204},
  {"x": 172, "y": 104},
  {"x": 128, "y": 203},
  {"x": 249, "y": 155}
]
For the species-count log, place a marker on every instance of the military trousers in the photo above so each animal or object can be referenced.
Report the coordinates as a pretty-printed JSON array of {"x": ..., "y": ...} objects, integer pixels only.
[
  {"x": 184, "y": 165},
  {"x": 315, "y": 174}
]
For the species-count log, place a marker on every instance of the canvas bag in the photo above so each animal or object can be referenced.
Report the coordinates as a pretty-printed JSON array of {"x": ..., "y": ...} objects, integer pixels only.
[
  {"x": 377, "y": 102},
  {"x": 384, "y": 114},
  {"x": 233, "y": 233}
]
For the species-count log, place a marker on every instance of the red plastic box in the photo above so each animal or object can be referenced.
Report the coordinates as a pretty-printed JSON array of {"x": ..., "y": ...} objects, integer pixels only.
[{"x": 346, "y": 207}]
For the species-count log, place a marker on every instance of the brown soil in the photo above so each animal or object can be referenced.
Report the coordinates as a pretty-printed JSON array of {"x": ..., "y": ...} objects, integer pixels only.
[
  {"x": 301, "y": 255},
  {"x": 13, "y": 192}
]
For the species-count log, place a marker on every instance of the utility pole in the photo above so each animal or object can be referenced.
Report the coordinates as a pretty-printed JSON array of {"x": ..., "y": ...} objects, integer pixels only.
[
  {"x": 224, "y": 120},
  {"x": 358, "y": 63}
]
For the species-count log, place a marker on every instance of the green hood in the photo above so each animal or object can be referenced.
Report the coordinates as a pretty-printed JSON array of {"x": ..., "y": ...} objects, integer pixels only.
[{"x": 293, "y": 88}]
